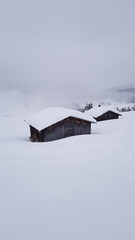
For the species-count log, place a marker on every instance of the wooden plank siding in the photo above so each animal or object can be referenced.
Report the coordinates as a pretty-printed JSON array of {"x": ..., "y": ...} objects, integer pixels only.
[
  {"x": 35, "y": 135},
  {"x": 65, "y": 128}
]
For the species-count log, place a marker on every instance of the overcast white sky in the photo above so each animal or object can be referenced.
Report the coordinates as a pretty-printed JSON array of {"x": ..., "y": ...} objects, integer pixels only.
[{"x": 66, "y": 48}]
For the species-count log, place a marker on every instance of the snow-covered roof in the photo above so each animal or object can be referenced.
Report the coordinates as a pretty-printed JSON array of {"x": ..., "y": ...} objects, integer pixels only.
[
  {"x": 50, "y": 116},
  {"x": 98, "y": 111}
]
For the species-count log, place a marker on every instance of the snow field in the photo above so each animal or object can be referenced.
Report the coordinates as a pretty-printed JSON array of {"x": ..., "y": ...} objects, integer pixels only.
[{"x": 77, "y": 188}]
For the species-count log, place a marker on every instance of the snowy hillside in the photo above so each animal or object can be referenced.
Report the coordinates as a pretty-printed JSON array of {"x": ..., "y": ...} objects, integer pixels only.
[
  {"x": 78, "y": 188},
  {"x": 118, "y": 94},
  {"x": 14, "y": 103}
]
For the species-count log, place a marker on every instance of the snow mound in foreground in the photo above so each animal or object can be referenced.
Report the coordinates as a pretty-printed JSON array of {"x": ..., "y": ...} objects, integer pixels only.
[{"x": 76, "y": 188}]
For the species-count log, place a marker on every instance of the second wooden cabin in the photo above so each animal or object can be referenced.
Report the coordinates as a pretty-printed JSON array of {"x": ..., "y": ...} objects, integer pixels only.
[{"x": 103, "y": 113}]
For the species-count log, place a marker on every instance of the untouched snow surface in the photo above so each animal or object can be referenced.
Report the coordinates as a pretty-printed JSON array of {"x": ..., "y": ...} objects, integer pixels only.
[{"x": 79, "y": 188}]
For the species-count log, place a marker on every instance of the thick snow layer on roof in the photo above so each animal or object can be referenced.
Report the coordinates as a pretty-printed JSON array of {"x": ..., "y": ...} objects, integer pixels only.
[
  {"x": 49, "y": 116},
  {"x": 98, "y": 111}
]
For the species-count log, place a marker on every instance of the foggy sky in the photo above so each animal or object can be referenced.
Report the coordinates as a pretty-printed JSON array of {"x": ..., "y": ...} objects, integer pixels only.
[{"x": 68, "y": 48}]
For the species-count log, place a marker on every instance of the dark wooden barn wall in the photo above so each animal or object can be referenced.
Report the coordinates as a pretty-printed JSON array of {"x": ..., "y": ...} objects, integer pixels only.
[
  {"x": 35, "y": 135},
  {"x": 107, "y": 116},
  {"x": 53, "y": 132},
  {"x": 66, "y": 128}
]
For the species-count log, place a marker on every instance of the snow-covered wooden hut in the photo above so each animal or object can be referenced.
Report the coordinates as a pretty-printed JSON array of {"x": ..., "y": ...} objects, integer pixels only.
[
  {"x": 102, "y": 113},
  {"x": 56, "y": 123}
]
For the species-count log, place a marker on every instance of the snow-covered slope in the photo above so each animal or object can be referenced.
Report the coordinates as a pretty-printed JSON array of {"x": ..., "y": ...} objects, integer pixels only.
[
  {"x": 13, "y": 103},
  {"x": 77, "y": 188},
  {"x": 124, "y": 94}
]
